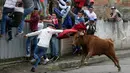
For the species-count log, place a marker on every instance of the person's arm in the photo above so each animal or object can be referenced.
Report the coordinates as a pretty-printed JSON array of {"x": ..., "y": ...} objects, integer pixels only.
[
  {"x": 62, "y": 2},
  {"x": 28, "y": 21},
  {"x": 72, "y": 13},
  {"x": 55, "y": 31},
  {"x": 48, "y": 21},
  {"x": 33, "y": 33},
  {"x": 62, "y": 7}
]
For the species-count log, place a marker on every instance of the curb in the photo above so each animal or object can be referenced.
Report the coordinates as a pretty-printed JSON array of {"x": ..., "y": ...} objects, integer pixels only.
[{"x": 75, "y": 63}]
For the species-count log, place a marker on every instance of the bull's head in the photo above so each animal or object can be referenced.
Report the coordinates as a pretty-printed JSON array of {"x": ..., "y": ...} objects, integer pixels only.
[{"x": 78, "y": 39}]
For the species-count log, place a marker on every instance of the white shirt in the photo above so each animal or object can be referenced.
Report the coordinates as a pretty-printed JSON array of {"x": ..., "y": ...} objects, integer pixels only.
[
  {"x": 40, "y": 25},
  {"x": 44, "y": 36},
  {"x": 90, "y": 15},
  {"x": 19, "y": 9},
  {"x": 10, "y": 3}
]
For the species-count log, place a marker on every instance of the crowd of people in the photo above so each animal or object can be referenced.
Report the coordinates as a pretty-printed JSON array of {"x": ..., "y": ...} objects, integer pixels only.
[{"x": 65, "y": 16}]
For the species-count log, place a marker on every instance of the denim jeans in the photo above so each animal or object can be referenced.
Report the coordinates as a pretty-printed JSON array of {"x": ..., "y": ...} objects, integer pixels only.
[
  {"x": 38, "y": 4},
  {"x": 28, "y": 44},
  {"x": 41, "y": 51},
  {"x": 5, "y": 13},
  {"x": 54, "y": 46},
  {"x": 26, "y": 12},
  {"x": 57, "y": 11}
]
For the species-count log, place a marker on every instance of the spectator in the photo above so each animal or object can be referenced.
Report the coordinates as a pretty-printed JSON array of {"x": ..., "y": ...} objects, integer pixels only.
[
  {"x": 33, "y": 27},
  {"x": 44, "y": 36},
  {"x": 65, "y": 9},
  {"x": 79, "y": 19},
  {"x": 118, "y": 22},
  {"x": 66, "y": 19},
  {"x": 54, "y": 41},
  {"x": 78, "y": 5},
  {"x": 90, "y": 14},
  {"x": 40, "y": 26},
  {"x": 28, "y": 8},
  {"x": 15, "y": 18},
  {"x": 8, "y": 8},
  {"x": 79, "y": 22},
  {"x": 52, "y": 19}
]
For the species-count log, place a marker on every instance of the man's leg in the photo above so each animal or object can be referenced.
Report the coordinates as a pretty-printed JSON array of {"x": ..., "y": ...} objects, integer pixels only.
[
  {"x": 3, "y": 21},
  {"x": 55, "y": 48},
  {"x": 21, "y": 26},
  {"x": 57, "y": 11},
  {"x": 28, "y": 42}
]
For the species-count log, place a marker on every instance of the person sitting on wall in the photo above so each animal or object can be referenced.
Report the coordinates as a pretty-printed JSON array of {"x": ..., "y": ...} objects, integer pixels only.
[
  {"x": 15, "y": 19},
  {"x": 63, "y": 14},
  {"x": 8, "y": 8}
]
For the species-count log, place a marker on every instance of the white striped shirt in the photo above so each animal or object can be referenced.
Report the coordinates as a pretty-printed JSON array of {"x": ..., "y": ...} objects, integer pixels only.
[{"x": 10, "y": 3}]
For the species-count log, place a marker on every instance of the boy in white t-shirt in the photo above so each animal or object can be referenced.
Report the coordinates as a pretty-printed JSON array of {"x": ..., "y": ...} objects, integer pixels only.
[{"x": 44, "y": 36}]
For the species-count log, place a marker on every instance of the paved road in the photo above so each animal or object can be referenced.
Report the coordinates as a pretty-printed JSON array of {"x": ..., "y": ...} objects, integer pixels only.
[{"x": 105, "y": 67}]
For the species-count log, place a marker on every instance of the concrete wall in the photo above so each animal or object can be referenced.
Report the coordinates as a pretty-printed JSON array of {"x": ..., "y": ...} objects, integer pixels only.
[{"x": 106, "y": 30}]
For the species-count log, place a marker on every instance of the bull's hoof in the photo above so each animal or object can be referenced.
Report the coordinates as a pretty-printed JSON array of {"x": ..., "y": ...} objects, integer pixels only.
[
  {"x": 119, "y": 69},
  {"x": 77, "y": 67},
  {"x": 85, "y": 63}
]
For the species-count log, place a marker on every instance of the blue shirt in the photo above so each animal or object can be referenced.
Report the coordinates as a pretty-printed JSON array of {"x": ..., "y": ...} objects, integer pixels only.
[{"x": 79, "y": 19}]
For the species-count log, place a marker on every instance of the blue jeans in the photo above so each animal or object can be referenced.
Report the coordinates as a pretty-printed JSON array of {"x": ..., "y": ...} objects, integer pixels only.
[
  {"x": 5, "y": 13},
  {"x": 38, "y": 4},
  {"x": 26, "y": 12},
  {"x": 54, "y": 46},
  {"x": 41, "y": 51},
  {"x": 57, "y": 11},
  {"x": 28, "y": 43}
]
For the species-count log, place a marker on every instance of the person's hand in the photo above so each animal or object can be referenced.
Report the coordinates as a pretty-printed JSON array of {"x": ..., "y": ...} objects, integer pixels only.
[
  {"x": 58, "y": 2},
  {"x": 25, "y": 36}
]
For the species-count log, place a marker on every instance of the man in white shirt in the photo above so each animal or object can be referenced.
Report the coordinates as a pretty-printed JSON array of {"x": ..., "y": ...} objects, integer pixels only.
[
  {"x": 44, "y": 36},
  {"x": 8, "y": 8},
  {"x": 90, "y": 15}
]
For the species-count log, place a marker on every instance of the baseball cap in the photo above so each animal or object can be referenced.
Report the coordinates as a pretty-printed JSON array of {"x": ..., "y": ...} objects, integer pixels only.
[{"x": 50, "y": 25}]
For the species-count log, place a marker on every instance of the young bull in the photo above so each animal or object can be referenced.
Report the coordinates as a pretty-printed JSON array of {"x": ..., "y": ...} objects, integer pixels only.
[{"x": 93, "y": 45}]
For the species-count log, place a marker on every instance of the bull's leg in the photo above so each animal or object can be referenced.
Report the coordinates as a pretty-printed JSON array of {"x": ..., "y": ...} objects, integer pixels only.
[
  {"x": 82, "y": 60},
  {"x": 113, "y": 57}
]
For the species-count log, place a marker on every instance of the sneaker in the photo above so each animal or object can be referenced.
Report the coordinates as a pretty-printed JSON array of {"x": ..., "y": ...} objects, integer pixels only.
[
  {"x": 28, "y": 55},
  {"x": 33, "y": 60},
  {"x": 56, "y": 58},
  {"x": 46, "y": 61},
  {"x": 9, "y": 39},
  {"x": 123, "y": 38},
  {"x": 32, "y": 69},
  {"x": 18, "y": 34}
]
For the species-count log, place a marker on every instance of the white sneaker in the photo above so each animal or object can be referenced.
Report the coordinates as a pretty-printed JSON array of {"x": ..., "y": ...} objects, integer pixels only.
[
  {"x": 46, "y": 61},
  {"x": 123, "y": 38},
  {"x": 28, "y": 55},
  {"x": 33, "y": 60}
]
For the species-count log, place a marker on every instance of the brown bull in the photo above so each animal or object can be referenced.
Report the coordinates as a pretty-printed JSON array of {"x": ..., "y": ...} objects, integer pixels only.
[{"x": 93, "y": 45}]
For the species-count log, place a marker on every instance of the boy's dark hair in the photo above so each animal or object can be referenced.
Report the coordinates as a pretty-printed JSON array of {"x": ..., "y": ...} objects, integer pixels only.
[
  {"x": 20, "y": 4},
  {"x": 35, "y": 8},
  {"x": 41, "y": 17},
  {"x": 81, "y": 12}
]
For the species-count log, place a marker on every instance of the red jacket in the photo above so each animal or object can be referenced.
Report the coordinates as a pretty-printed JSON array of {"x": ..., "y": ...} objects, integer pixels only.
[
  {"x": 80, "y": 3},
  {"x": 33, "y": 22}
]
